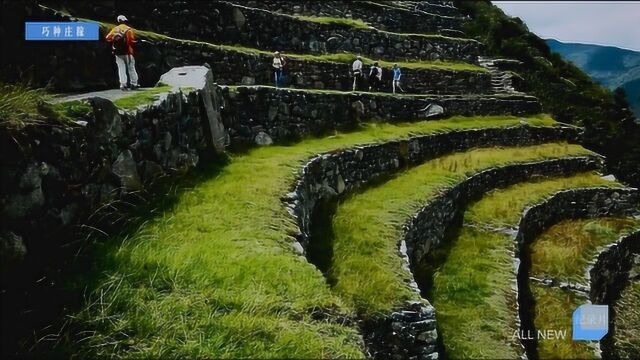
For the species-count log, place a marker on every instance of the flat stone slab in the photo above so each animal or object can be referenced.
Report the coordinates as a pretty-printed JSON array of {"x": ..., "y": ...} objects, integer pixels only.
[
  {"x": 186, "y": 76},
  {"x": 111, "y": 94}
]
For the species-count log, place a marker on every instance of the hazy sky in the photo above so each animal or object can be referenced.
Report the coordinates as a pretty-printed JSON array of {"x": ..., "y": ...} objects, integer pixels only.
[{"x": 614, "y": 23}]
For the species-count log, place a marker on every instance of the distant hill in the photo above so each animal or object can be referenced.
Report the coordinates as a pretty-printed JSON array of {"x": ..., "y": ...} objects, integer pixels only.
[{"x": 610, "y": 66}]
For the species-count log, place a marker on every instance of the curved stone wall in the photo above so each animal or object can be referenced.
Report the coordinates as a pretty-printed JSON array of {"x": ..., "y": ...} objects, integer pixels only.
[
  {"x": 411, "y": 330},
  {"x": 329, "y": 175},
  {"x": 570, "y": 204},
  {"x": 609, "y": 276}
]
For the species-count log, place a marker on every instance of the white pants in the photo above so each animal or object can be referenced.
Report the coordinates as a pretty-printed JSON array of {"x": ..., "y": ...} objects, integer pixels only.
[{"x": 127, "y": 64}]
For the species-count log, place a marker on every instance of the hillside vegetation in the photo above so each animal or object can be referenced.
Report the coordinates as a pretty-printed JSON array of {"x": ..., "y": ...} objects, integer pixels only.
[{"x": 564, "y": 90}]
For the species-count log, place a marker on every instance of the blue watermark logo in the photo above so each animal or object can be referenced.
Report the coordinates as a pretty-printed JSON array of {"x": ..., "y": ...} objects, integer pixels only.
[
  {"x": 61, "y": 31},
  {"x": 590, "y": 322}
]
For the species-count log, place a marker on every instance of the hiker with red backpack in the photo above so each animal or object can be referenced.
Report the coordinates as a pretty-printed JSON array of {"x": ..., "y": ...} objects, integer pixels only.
[{"x": 122, "y": 39}]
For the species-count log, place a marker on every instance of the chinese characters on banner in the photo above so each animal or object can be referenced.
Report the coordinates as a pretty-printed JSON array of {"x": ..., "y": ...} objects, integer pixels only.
[{"x": 61, "y": 31}]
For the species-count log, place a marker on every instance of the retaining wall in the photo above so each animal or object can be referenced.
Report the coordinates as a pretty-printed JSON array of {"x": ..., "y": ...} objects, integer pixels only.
[
  {"x": 286, "y": 115},
  {"x": 570, "y": 204},
  {"x": 75, "y": 66},
  {"x": 609, "y": 276},
  {"x": 56, "y": 176},
  {"x": 227, "y": 23},
  {"x": 381, "y": 16},
  {"x": 411, "y": 330}
]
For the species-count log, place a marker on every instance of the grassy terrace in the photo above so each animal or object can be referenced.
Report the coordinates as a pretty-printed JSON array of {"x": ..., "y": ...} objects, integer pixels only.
[
  {"x": 215, "y": 275},
  {"x": 343, "y": 57},
  {"x": 472, "y": 290},
  {"x": 562, "y": 252},
  {"x": 368, "y": 225},
  {"x": 354, "y": 23},
  {"x": 627, "y": 339}
]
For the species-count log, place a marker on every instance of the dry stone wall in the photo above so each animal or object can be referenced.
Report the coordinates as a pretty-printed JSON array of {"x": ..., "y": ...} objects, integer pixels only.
[
  {"x": 226, "y": 23},
  {"x": 379, "y": 15},
  {"x": 569, "y": 204},
  {"x": 56, "y": 176},
  {"x": 410, "y": 331},
  {"x": 286, "y": 115},
  {"x": 609, "y": 276},
  {"x": 75, "y": 66}
]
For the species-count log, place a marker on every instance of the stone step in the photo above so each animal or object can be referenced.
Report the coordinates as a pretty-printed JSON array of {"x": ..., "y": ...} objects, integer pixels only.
[
  {"x": 287, "y": 114},
  {"x": 378, "y": 15},
  {"x": 226, "y": 23}
]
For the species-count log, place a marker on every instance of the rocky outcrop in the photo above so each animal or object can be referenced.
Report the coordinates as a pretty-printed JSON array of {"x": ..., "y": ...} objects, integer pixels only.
[{"x": 287, "y": 115}]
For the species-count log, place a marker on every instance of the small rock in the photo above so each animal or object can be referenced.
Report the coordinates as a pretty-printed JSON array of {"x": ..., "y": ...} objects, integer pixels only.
[
  {"x": 125, "y": 169},
  {"x": 263, "y": 139},
  {"x": 12, "y": 248}
]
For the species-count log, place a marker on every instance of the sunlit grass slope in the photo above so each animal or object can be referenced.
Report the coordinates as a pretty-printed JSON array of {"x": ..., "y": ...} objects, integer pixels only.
[
  {"x": 472, "y": 290},
  {"x": 366, "y": 269},
  {"x": 216, "y": 275}
]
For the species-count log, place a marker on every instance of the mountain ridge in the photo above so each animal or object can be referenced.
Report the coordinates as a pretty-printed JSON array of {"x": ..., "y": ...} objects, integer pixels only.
[{"x": 611, "y": 66}]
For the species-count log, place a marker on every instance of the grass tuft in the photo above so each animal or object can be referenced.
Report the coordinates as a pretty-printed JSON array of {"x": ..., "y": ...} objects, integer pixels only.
[{"x": 21, "y": 105}]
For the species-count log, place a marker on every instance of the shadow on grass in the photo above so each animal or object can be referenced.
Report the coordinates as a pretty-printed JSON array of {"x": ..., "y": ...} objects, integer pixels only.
[{"x": 36, "y": 303}]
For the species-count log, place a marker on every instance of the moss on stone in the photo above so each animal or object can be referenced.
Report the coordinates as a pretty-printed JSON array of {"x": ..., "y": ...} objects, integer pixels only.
[{"x": 141, "y": 97}]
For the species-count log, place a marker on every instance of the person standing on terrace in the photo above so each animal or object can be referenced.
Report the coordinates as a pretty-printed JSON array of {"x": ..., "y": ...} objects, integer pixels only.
[
  {"x": 356, "y": 72},
  {"x": 278, "y": 67},
  {"x": 396, "y": 78},
  {"x": 122, "y": 39}
]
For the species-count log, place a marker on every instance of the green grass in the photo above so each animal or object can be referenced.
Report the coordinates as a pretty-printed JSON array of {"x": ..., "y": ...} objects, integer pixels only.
[
  {"x": 367, "y": 226},
  {"x": 141, "y": 97},
  {"x": 472, "y": 295},
  {"x": 21, "y": 105},
  {"x": 553, "y": 311},
  {"x": 627, "y": 339},
  {"x": 343, "y": 57},
  {"x": 216, "y": 276},
  {"x": 73, "y": 109},
  {"x": 564, "y": 251},
  {"x": 472, "y": 290},
  {"x": 497, "y": 208},
  {"x": 354, "y": 23}
]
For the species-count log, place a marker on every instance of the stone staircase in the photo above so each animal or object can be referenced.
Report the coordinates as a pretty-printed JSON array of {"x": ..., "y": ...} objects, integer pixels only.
[{"x": 501, "y": 81}]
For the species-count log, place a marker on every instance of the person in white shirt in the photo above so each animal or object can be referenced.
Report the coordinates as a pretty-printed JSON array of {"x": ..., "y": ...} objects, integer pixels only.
[
  {"x": 356, "y": 72},
  {"x": 278, "y": 67}
]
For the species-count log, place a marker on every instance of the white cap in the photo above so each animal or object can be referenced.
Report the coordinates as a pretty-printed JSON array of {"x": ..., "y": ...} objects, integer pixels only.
[{"x": 122, "y": 18}]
